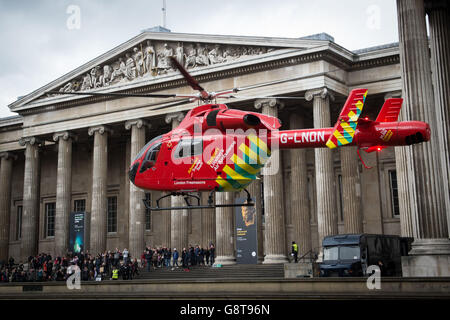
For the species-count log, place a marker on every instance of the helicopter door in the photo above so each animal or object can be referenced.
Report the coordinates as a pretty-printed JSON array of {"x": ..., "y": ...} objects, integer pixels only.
[
  {"x": 188, "y": 158},
  {"x": 187, "y": 150}
]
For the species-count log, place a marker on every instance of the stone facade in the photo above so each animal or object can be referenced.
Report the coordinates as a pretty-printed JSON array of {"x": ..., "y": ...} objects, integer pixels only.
[
  {"x": 88, "y": 166},
  {"x": 426, "y": 164}
]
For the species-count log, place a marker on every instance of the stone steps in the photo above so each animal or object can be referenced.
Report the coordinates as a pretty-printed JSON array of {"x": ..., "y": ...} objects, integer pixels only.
[{"x": 224, "y": 272}]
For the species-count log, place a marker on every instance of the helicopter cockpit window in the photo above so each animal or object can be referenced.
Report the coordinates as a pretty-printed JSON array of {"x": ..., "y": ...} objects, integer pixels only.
[
  {"x": 146, "y": 146},
  {"x": 150, "y": 157},
  {"x": 188, "y": 148}
]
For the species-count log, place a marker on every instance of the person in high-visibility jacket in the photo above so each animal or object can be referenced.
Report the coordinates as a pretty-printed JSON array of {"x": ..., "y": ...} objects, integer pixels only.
[
  {"x": 295, "y": 251},
  {"x": 115, "y": 274}
]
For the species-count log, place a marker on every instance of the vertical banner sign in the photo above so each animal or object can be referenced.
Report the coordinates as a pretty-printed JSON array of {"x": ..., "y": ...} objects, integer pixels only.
[
  {"x": 246, "y": 234},
  {"x": 77, "y": 231}
]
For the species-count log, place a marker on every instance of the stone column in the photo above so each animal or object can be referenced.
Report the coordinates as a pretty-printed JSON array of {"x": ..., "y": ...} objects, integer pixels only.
[
  {"x": 431, "y": 246},
  {"x": 5, "y": 202},
  {"x": 99, "y": 204},
  {"x": 208, "y": 223},
  {"x": 287, "y": 199},
  {"x": 275, "y": 236},
  {"x": 404, "y": 197},
  {"x": 126, "y": 199},
  {"x": 325, "y": 184},
  {"x": 351, "y": 191},
  {"x": 136, "y": 224},
  {"x": 63, "y": 191},
  {"x": 224, "y": 230},
  {"x": 255, "y": 190},
  {"x": 404, "y": 201},
  {"x": 299, "y": 190},
  {"x": 177, "y": 221},
  {"x": 439, "y": 22},
  {"x": 166, "y": 221},
  {"x": 31, "y": 188}
]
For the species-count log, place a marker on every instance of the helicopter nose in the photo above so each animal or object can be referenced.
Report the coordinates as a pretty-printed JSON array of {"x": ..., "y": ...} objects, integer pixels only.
[{"x": 132, "y": 172}]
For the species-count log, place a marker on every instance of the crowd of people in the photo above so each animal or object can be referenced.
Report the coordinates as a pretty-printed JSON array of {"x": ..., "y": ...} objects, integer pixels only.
[
  {"x": 110, "y": 265},
  {"x": 166, "y": 257},
  {"x": 92, "y": 268}
]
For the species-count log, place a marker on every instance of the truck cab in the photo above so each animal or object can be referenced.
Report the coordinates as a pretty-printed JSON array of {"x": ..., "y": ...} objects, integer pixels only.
[
  {"x": 349, "y": 255},
  {"x": 342, "y": 256}
]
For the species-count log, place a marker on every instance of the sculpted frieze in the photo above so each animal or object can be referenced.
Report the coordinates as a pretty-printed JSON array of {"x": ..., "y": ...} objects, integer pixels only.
[{"x": 150, "y": 59}]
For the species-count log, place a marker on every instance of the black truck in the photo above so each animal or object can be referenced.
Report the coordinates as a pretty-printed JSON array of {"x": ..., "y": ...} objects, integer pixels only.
[{"x": 349, "y": 255}]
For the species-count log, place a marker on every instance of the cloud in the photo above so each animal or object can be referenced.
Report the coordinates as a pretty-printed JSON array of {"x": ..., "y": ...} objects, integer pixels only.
[{"x": 37, "y": 46}]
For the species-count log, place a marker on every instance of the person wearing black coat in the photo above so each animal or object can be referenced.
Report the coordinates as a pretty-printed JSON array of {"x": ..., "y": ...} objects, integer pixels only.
[
  {"x": 192, "y": 257},
  {"x": 207, "y": 254},
  {"x": 185, "y": 259},
  {"x": 85, "y": 274},
  {"x": 148, "y": 258},
  {"x": 122, "y": 272},
  {"x": 212, "y": 252},
  {"x": 166, "y": 255},
  {"x": 59, "y": 275}
]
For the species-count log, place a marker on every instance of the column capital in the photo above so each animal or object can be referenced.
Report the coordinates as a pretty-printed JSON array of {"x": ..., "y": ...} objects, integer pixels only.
[
  {"x": 179, "y": 116},
  {"x": 321, "y": 92},
  {"x": 101, "y": 129},
  {"x": 65, "y": 135},
  {"x": 30, "y": 140},
  {"x": 139, "y": 123},
  {"x": 8, "y": 155},
  {"x": 393, "y": 94},
  {"x": 268, "y": 102}
]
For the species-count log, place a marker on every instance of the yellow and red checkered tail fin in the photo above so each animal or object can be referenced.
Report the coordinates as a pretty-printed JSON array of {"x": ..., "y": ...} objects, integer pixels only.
[{"x": 345, "y": 127}]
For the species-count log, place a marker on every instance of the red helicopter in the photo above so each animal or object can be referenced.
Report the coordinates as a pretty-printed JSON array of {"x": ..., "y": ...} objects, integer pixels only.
[{"x": 215, "y": 148}]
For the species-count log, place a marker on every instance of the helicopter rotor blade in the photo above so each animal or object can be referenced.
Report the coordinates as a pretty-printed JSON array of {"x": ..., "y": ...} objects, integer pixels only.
[
  {"x": 277, "y": 82},
  {"x": 171, "y": 104},
  {"x": 202, "y": 95},
  {"x": 188, "y": 98},
  {"x": 190, "y": 79},
  {"x": 117, "y": 94},
  {"x": 191, "y": 97},
  {"x": 261, "y": 97}
]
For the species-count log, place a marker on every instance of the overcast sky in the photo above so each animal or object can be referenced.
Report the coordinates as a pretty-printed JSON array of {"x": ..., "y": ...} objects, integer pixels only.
[{"x": 42, "y": 40}]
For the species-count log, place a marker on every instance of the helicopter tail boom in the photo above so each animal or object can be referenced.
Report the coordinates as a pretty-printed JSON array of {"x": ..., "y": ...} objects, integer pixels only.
[
  {"x": 369, "y": 135},
  {"x": 350, "y": 129}
]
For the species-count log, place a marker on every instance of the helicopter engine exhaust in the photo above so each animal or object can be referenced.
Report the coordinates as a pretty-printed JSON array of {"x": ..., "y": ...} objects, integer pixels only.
[{"x": 233, "y": 119}]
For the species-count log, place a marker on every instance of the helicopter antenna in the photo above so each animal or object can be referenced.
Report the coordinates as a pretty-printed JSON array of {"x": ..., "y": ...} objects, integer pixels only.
[{"x": 164, "y": 13}]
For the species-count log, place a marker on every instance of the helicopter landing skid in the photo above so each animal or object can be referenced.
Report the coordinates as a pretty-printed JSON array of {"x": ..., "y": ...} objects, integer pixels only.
[{"x": 189, "y": 206}]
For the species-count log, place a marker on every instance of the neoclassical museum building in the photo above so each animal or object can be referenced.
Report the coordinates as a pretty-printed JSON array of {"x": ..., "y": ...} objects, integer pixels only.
[{"x": 71, "y": 153}]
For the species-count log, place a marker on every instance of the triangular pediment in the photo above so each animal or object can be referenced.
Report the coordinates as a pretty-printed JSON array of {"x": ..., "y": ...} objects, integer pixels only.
[
  {"x": 149, "y": 59},
  {"x": 144, "y": 59}
]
